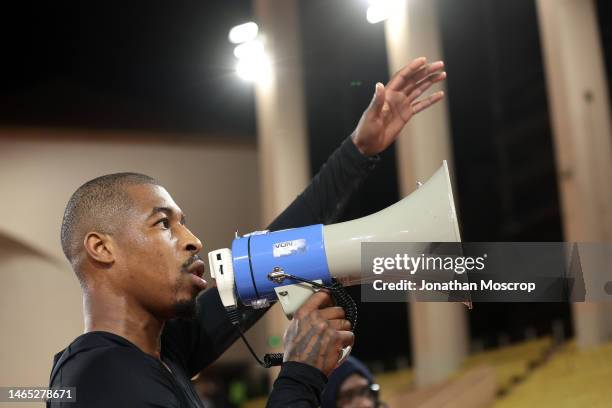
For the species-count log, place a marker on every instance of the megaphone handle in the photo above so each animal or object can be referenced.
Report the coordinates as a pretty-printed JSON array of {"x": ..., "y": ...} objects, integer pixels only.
[
  {"x": 337, "y": 291},
  {"x": 342, "y": 299}
]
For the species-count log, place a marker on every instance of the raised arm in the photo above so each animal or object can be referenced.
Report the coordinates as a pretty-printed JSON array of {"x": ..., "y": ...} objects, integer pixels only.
[{"x": 201, "y": 341}]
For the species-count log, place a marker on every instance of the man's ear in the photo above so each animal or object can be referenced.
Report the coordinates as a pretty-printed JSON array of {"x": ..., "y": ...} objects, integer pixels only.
[{"x": 99, "y": 247}]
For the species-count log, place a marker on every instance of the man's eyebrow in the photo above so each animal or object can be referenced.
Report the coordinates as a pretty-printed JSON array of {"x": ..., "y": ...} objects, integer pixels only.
[
  {"x": 156, "y": 210},
  {"x": 167, "y": 210}
]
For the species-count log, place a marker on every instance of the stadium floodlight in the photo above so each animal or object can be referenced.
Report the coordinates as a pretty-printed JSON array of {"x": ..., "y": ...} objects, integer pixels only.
[
  {"x": 253, "y": 65},
  {"x": 243, "y": 33},
  {"x": 255, "y": 68},
  {"x": 249, "y": 49},
  {"x": 380, "y": 10}
]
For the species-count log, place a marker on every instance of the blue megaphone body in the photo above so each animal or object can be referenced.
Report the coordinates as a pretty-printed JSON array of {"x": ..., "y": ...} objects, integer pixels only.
[{"x": 287, "y": 265}]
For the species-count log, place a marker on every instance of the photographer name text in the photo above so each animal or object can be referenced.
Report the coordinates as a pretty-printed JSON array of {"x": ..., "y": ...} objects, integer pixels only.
[{"x": 454, "y": 285}]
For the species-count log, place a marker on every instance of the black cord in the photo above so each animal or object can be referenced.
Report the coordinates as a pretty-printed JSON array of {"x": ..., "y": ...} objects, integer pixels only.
[
  {"x": 270, "y": 359},
  {"x": 338, "y": 293}
]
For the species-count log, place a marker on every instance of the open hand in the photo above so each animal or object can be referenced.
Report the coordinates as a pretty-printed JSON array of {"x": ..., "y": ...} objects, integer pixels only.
[{"x": 394, "y": 105}]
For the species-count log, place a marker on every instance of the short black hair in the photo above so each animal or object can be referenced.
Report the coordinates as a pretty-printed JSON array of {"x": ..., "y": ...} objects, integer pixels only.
[{"x": 97, "y": 205}]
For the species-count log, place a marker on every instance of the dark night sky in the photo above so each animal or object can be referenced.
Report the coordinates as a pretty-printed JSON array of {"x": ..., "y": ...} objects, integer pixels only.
[{"x": 168, "y": 67}]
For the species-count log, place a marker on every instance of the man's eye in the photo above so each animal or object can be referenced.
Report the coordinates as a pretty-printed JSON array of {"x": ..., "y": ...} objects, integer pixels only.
[{"x": 165, "y": 222}]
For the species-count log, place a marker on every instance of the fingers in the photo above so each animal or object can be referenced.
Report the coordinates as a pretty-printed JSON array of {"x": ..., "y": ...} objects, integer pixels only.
[
  {"x": 379, "y": 98},
  {"x": 425, "y": 84},
  {"x": 331, "y": 313},
  {"x": 345, "y": 338},
  {"x": 427, "y": 102},
  {"x": 340, "y": 340},
  {"x": 318, "y": 300},
  {"x": 329, "y": 300},
  {"x": 340, "y": 324},
  {"x": 401, "y": 77},
  {"x": 420, "y": 75}
]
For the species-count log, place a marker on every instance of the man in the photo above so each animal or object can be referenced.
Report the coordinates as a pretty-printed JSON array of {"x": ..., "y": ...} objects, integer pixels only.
[
  {"x": 351, "y": 386},
  {"x": 147, "y": 332}
]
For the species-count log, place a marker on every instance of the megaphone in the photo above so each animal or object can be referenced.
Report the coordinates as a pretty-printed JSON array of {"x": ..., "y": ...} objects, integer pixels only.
[{"x": 289, "y": 265}]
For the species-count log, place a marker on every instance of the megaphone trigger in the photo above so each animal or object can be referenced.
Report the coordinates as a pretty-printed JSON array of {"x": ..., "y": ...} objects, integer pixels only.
[{"x": 337, "y": 291}]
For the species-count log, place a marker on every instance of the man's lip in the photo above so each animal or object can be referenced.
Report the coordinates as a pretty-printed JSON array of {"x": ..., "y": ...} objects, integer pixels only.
[{"x": 197, "y": 268}]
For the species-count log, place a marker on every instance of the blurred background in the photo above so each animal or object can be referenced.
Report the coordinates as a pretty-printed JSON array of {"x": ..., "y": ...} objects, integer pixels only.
[{"x": 91, "y": 88}]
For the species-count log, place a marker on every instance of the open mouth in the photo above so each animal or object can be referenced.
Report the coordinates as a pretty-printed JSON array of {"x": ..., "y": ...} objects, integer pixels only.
[{"x": 197, "y": 268}]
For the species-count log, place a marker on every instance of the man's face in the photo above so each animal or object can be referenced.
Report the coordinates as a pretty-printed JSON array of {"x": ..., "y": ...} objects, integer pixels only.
[
  {"x": 156, "y": 254},
  {"x": 355, "y": 393}
]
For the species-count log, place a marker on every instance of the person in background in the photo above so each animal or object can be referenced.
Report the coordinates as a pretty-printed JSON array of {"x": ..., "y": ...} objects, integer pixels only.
[{"x": 351, "y": 385}]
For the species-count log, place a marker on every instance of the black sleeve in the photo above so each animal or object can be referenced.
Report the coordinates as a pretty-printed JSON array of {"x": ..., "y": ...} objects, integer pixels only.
[
  {"x": 329, "y": 191},
  {"x": 101, "y": 380},
  {"x": 198, "y": 342},
  {"x": 298, "y": 385}
]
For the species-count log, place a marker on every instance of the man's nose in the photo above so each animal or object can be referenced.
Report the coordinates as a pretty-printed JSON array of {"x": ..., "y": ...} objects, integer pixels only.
[{"x": 192, "y": 243}]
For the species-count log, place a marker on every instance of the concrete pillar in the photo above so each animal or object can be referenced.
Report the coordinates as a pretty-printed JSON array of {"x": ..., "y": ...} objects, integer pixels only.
[
  {"x": 579, "y": 107},
  {"x": 281, "y": 125},
  {"x": 439, "y": 331}
]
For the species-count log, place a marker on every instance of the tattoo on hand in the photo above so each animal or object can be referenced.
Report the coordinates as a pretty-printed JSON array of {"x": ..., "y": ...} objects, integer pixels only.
[{"x": 312, "y": 341}]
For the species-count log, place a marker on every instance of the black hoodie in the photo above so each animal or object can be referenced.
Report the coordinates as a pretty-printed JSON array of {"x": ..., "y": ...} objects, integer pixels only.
[{"x": 110, "y": 371}]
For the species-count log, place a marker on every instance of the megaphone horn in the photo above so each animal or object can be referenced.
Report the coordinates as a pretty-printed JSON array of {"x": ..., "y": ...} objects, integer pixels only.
[{"x": 427, "y": 215}]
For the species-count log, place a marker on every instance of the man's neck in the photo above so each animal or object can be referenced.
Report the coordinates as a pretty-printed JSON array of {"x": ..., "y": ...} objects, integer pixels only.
[{"x": 117, "y": 315}]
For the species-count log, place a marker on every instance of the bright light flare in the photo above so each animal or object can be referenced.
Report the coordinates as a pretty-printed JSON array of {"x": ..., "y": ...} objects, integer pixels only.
[
  {"x": 249, "y": 49},
  {"x": 243, "y": 33},
  {"x": 255, "y": 68},
  {"x": 380, "y": 10}
]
